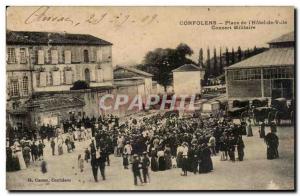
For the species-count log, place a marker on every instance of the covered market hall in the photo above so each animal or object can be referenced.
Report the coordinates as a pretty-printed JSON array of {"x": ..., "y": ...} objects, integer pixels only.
[{"x": 269, "y": 74}]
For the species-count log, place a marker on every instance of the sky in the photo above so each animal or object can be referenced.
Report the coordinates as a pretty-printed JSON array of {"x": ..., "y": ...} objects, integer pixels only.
[{"x": 136, "y": 30}]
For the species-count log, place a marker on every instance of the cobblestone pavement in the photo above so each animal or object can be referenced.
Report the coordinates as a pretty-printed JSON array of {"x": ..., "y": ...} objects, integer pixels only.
[{"x": 255, "y": 172}]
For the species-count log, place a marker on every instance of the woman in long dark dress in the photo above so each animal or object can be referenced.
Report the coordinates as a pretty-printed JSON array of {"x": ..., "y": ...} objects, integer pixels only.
[
  {"x": 249, "y": 129},
  {"x": 206, "y": 162},
  {"x": 240, "y": 148},
  {"x": 154, "y": 164},
  {"x": 168, "y": 157},
  {"x": 161, "y": 160},
  {"x": 272, "y": 145},
  {"x": 262, "y": 132}
]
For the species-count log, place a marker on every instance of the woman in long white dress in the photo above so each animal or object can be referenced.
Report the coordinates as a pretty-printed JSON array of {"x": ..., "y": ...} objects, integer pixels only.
[
  {"x": 18, "y": 151},
  {"x": 249, "y": 129}
]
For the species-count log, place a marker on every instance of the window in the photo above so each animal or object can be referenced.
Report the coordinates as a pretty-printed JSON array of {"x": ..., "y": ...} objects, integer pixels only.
[
  {"x": 14, "y": 91},
  {"x": 54, "y": 56},
  {"x": 50, "y": 79},
  {"x": 67, "y": 57},
  {"x": 64, "y": 77},
  {"x": 25, "y": 85},
  {"x": 87, "y": 75},
  {"x": 244, "y": 74},
  {"x": 23, "y": 56},
  {"x": 37, "y": 79},
  {"x": 278, "y": 73},
  {"x": 11, "y": 53},
  {"x": 41, "y": 58},
  {"x": 86, "y": 56}
]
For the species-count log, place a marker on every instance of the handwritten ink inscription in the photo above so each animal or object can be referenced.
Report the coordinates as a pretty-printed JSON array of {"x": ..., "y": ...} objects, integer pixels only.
[{"x": 42, "y": 14}]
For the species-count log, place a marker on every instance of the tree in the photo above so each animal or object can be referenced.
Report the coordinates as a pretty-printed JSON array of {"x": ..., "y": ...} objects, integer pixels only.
[
  {"x": 254, "y": 50},
  {"x": 80, "y": 84},
  {"x": 184, "y": 49},
  {"x": 227, "y": 57},
  {"x": 232, "y": 57},
  {"x": 208, "y": 68},
  {"x": 200, "y": 60},
  {"x": 239, "y": 54},
  {"x": 221, "y": 68},
  {"x": 215, "y": 70},
  {"x": 161, "y": 61}
]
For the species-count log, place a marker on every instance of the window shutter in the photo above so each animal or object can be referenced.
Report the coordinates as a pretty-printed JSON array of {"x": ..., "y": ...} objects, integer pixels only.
[
  {"x": 99, "y": 75},
  {"x": 54, "y": 56},
  {"x": 69, "y": 77},
  {"x": 56, "y": 77},
  {"x": 93, "y": 77},
  {"x": 91, "y": 54},
  {"x": 99, "y": 55},
  {"x": 41, "y": 58},
  {"x": 67, "y": 57},
  {"x": 75, "y": 55},
  {"x": 17, "y": 52},
  {"x": 43, "y": 77}
]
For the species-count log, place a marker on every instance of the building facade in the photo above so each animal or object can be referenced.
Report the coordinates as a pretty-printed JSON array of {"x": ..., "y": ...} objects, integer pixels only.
[
  {"x": 187, "y": 80},
  {"x": 131, "y": 81},
  {"x": 43, "y": 66},
  {"x": 269, "y": 74}
]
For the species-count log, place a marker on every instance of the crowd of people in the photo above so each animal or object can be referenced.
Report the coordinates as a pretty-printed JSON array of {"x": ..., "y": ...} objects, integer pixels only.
[{"x": 155, "y": 143}]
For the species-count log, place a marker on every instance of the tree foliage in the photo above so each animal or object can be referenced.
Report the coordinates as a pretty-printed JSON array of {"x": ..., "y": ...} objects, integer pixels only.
[
  {"x": 80, "y": 84},
  {"x": 161, "y": 61}
]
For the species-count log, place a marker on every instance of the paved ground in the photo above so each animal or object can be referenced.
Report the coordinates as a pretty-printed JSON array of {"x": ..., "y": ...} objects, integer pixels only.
[{"x": 255, "y": 172}]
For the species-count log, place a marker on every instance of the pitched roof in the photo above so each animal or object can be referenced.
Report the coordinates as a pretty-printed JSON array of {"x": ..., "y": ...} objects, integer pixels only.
[
  {"x": 56, "y": 38},
  {"x": 137, "y": 71},
  {"x": 271, "y": 57},
  {"x": 46, "y": 103},
  {"x": 288, "y": 37},
  {"x": 187, "y": 67}
]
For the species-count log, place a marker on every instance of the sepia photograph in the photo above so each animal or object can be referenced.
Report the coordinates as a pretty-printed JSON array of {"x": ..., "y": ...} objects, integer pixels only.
[{"x": 150, "y": 98}]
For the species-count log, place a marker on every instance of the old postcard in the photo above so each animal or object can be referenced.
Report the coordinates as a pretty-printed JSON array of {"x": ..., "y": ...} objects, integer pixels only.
[{"x": 150, "y": 98}]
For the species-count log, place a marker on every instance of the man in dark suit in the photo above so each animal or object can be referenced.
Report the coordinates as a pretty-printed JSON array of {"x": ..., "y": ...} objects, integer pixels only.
[
  {"x": 94, "y": 161},
  {"x": 145, "y": 166},
  {"x": 136, "y": 169},
  {"x": 101, "y": 161}
]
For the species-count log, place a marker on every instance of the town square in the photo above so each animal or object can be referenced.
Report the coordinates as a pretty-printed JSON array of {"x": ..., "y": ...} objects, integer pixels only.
[{"x": 119, "y": 98}]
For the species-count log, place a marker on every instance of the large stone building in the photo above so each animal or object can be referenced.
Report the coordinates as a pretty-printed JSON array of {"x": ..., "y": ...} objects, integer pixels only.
[
  {"x": 43, "y": 66},
  {"x": 187, "y": 80},
  {"x": 269, "y": 74}
]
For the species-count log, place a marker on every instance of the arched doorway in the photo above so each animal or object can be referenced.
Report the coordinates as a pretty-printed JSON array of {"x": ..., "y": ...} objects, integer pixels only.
[{"x": 87, "y": 75}]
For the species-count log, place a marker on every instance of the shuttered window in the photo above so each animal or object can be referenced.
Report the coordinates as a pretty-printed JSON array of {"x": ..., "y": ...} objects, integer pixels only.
[
  {"x": 67, "y": 57},
  {"x": 43, "y": 79},
  {"x": 99, "y": 55},
  {"x": 54, "y": 56},
  {"x": 99, "y": 75},
  {"x": 56, "y": 77},
  {"x": 41, "y": 57},
  {"x": 23, "y": 59},
  {"x": 69, "y": 77}
]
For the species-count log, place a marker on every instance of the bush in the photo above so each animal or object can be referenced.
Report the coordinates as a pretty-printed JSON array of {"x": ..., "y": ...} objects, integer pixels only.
[{"x": 80, "y": 84}]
